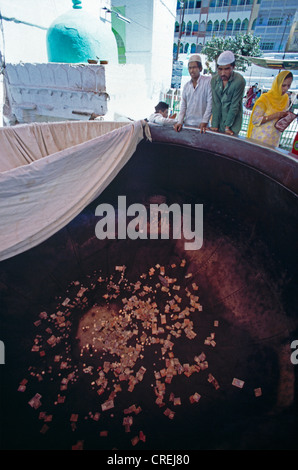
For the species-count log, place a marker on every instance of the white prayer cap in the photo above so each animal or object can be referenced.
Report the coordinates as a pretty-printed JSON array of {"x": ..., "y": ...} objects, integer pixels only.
[
  {"x": 226, "y": 58},
  {"x": 195, "y": 58}
]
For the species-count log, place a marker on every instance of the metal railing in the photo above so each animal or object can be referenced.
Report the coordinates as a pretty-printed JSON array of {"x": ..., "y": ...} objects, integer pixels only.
[{"x": 287, "y": 137}]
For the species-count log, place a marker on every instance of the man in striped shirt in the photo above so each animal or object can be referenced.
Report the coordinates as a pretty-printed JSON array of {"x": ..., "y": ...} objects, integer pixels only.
[{"x": 196, "y": 100}]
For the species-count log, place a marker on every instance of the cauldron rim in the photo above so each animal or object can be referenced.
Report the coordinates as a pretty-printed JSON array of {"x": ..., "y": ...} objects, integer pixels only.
[{"x": 283, "y": 167}]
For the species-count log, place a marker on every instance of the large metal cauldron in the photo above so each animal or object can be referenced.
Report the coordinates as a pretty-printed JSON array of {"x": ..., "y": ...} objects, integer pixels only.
[{"x": 246, "y": 272}]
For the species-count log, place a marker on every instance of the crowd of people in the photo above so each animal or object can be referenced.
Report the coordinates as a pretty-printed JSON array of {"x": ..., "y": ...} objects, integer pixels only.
[{"x": 216, "y": 103}]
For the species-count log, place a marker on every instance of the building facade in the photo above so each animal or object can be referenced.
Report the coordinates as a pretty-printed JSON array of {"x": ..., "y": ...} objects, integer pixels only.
[
  {"x": 197, "y": 21},
  {"x": 274, "y": 22}
]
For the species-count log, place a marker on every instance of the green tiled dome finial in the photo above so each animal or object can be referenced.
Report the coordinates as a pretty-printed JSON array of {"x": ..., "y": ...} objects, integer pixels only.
[{"x": 76, "y": 4}]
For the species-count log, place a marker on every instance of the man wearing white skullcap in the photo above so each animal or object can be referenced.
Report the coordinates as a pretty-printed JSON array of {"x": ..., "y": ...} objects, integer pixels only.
[
  {"x": 227, "y": 96},
  {"x": 196, "y": 100}
]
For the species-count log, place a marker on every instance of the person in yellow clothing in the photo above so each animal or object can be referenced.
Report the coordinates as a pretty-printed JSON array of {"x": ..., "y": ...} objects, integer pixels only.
[{"x": 268, "y": 108}]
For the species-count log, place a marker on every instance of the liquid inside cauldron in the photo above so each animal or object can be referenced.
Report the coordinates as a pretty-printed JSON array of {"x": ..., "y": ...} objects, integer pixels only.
[{"x": 139, "y": 344}]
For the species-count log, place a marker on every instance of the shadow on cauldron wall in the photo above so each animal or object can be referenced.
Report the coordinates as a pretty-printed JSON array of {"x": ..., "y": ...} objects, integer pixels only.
[{"x": 245, "y": 272}]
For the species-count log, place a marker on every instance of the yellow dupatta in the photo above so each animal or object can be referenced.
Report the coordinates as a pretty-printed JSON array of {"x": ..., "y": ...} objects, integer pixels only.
[{"x": 273, "y": 101}]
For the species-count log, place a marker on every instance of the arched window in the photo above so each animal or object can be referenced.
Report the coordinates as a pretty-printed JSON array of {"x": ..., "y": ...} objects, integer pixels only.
[
  {"x": 188, "y": 28},
  {"x": 195, "y": 28},
  {"x": 230, "y": 25},
  {"x": 254, "y": 24},
  {"x": 222, "y": 25},
  {"x": 176, "y": 27},
  {"x": 244, "y": 25},
  {"x": 209, "y": 26},
  {"x": 120, "y": 47},
  {"x": 193, "y": 48},
  {"x": 175, "y": 48},
  {"x": 216, "y": 25},
  {"x": 237, "y": 25},
  {"x": 186, "y": 48},
  {"x": 181, "y": 49},
  {"x": 202, "y": 26}
]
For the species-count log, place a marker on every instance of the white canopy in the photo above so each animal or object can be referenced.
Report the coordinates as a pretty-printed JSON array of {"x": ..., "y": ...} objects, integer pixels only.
[{"x": 51, "y": 171}]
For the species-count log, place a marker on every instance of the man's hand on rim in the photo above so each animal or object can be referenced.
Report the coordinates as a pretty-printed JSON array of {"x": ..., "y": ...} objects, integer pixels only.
[
  {"x": 203, "y": 127},
  {"x": 178, "y": 127}
]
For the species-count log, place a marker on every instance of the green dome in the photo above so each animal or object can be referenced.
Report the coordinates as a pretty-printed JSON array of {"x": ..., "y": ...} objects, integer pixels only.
[{"x": 77, "y": 36}]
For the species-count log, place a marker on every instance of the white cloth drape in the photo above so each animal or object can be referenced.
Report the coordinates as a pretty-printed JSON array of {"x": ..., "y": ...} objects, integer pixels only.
[{"x": 39, "y": 198}]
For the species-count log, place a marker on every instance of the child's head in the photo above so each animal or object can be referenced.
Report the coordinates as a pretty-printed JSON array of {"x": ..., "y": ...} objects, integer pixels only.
[{"x": 162, "y": 108}]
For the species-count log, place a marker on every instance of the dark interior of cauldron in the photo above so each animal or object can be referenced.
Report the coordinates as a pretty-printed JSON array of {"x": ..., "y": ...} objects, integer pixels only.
[{"x": 246, "y": 265}]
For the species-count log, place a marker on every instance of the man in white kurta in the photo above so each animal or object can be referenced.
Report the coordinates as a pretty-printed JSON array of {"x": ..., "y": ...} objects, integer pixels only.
[{"x": 196, "y": 100}]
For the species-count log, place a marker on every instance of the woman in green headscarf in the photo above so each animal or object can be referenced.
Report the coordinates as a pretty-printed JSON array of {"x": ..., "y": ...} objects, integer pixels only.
[{"x": 270, "y": 107}]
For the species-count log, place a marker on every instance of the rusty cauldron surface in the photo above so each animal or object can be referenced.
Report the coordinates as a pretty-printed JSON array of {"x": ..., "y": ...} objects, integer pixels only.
[{"x": 246, "y": 271}]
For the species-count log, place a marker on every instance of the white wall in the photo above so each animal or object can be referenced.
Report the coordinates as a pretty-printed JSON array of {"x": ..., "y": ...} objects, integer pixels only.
[
  {"x": 162, "y": 44},
  {"x": 149, "y": 40},
  {"x": 27, "y": 43}
]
